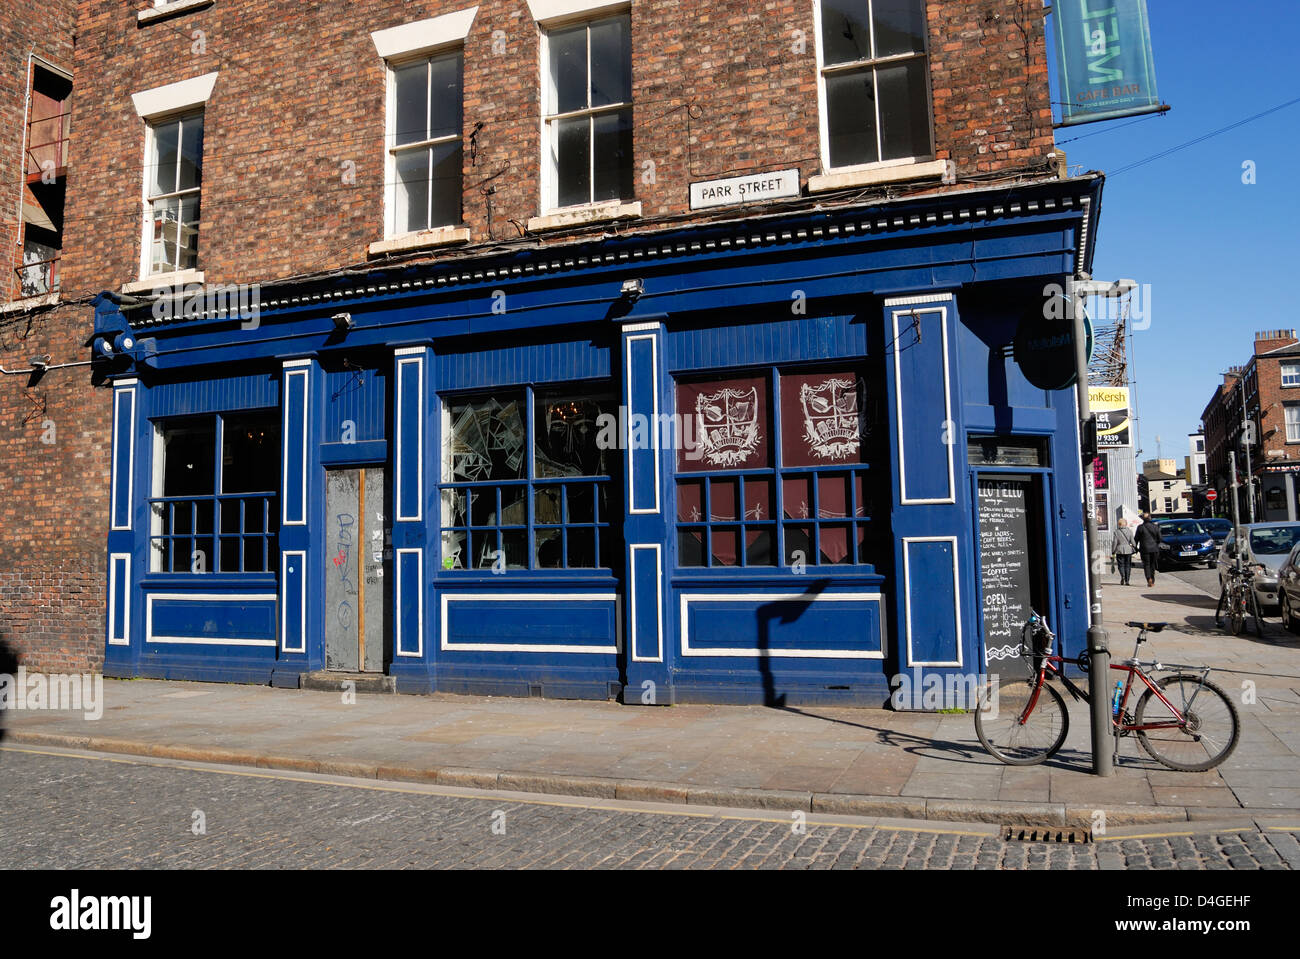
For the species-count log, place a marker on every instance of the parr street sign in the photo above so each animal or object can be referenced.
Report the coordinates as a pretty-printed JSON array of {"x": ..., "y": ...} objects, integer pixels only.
[{"x": 745, "y": 189}]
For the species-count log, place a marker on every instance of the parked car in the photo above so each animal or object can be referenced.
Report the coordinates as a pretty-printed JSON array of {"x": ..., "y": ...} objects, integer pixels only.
[
  {"x": 1184, "y": 542},
  {"x": 1217, "y": 528},
  {"x": 1288, "y": 592},
  {"x": 1264, "y": 544}
]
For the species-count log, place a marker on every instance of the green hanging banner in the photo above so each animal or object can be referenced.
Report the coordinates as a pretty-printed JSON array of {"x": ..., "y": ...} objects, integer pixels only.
[{"x": 1103, "y": 57}]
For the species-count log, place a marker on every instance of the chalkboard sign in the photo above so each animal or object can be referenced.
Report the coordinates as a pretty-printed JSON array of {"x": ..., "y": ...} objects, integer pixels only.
[{"x": 1006, "y": 571}]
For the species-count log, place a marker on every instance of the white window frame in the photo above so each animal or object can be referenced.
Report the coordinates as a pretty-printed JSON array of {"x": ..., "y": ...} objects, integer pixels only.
[
  {"x": 823, "y": 117},
  {"x": 1294, "y": 375},
  {"x": 549, "y": 174},
  {"x": 391, "y": 149},
  {"x": 1292, "y": 428},
  {"x": 147, "y": 201}
]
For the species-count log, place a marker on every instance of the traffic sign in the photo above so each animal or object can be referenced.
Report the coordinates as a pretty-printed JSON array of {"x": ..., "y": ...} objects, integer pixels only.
[{"x": 1211, "y": 495}]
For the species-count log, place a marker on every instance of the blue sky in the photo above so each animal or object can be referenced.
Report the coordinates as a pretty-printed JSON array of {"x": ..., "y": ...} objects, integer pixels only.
[{"x": 1218, "y": 254}]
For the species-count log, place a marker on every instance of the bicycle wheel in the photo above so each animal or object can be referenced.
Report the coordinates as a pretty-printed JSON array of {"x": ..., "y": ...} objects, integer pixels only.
[
  {"x": 998, "y": 725},
  {"x": 1237, "y": 613},
  {"x": 1206, "y": 736}
]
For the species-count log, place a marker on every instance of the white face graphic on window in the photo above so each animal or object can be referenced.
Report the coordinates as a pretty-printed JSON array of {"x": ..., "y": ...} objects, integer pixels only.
[
  {"x": 728, "y": 425},
  {"x": 832, "y": 417}
]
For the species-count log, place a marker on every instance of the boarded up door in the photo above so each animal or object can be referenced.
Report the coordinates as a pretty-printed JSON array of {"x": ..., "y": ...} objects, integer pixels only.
[{"x": 357, "y": 554}]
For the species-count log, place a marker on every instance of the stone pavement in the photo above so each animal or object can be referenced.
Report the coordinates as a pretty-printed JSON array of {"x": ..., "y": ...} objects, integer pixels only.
[{"x": 864, "y": 762}]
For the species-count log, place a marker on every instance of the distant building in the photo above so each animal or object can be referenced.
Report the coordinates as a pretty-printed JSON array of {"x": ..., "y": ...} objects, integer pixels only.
[
  {"x": 1195, "y": 463},
  {"x": 1266, "y": 438}
]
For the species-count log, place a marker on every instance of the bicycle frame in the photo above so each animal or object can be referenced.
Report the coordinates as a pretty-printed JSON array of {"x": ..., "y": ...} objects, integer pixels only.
[{"x": 1051, "y": 665}]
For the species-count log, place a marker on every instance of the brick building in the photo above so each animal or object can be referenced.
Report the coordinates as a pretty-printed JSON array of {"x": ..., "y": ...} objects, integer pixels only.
[
  {"x": 1269, "y": 387},
  {"x": 396, "y": 261}
]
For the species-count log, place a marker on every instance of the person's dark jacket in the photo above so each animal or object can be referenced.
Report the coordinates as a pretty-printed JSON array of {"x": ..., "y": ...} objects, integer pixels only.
[{"x": 1148, "y": 537}]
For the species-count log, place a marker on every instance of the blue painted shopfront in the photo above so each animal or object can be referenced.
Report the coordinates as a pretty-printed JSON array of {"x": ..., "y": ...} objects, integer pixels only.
[{"x": 785, "y": 513}]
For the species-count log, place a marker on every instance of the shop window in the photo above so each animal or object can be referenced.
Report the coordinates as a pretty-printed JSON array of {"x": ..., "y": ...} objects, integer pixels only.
[
  {"x": 425, "y": 155},
  {"x": 874, "y": 81},
  {"x": 529, "y": 490},
  {"x": 215, "y": 503},
  {"x": 173, "y": 182},
  {"x": 588, "y": 112},
  {"x": 773, "y": 477}
]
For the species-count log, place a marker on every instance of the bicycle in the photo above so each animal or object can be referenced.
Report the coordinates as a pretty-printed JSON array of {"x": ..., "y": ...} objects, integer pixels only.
[
  {"x": 1239, "y": 599},
  {"x": 1183, "y": 721}
]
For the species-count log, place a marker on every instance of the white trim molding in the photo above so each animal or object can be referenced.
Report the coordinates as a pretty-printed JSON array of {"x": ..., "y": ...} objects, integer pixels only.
[
  {"x": 161, "y": 284},
  {"x": 418, "y": 551},
  {"x": 615, "y": 598},
  {"x": 633, "y": 509},
  {"x": 301, "y": 555},
  {"x": 423, "y": 35},
  {"x": 420, "y": 239},
  {"x": 688, "y": 650},
  {"x": 904, "y": 499},
  {"x": 550, "y": 11},
  {"x": 208, "y": 598},
  {"x": 659, "y": 601},
  {"x": 124, "y": 561},
  {"x": 907, "y": 593},
  {"x": 602, "y": 212},
  {"x": 918, "y": 300},
  {"x": 172, "y": 97}
]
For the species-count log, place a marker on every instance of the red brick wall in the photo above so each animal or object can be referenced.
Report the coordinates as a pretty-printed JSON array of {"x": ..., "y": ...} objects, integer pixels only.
[
  {"x": 55, "y": 435},
  {"x": 46, "y": 30},
  {"x": 720, "y": 88}
]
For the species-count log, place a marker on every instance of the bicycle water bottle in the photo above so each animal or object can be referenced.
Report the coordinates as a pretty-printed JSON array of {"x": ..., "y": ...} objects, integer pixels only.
[{"x": 1115, "y": 700}]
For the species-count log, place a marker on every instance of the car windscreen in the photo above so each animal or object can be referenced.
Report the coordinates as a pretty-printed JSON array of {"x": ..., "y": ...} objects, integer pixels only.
[
  {"x": 1218, "y": 525},
  {"x": 1273, "y": 540},
  {"x": 1181, "y": 529}
]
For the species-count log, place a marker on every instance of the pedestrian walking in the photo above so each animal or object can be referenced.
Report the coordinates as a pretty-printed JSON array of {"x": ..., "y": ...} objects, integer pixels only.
[
  {"x": 1122, "y": 548},
  {"x": 1147, "y": 538}
]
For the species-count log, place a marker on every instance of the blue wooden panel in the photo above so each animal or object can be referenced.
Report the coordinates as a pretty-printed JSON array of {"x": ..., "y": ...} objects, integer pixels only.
[
  {"x": 548, "y": 623},
  {"x": 249, "y": 392},
  {"x": 410, "y": 586},
  {"x": 124, "y": 422},
  {"x": 294, "y": 445},
  {"x": 818, "y": 626},
  {"x": 788, "y": 340},
  {"x": 408, "y": 481},
  {"x": 214, "y": 621},
  {"x": 355, "y": 397},
  {"x": 931, "y": 621},
  {"x": 293, "y": 586},
  {"x": 120, "y": 599},
  {"x": 926, "y": 432},
  {"x": 528, "y": 363},
  {"x": 645, "y": 588},
  {"x": 643, "y": 399}
]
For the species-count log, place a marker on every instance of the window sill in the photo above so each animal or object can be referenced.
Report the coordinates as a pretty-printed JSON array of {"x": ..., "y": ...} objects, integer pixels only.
[
  {"x": 29, "y": 303},
  {"x": 439, "y": 236},
  {"x": 582, "y": 215},
  {"x": 162, "y": 281},
  {"x": 870, "y": 176},
  {"x": 170, "y": 10}
]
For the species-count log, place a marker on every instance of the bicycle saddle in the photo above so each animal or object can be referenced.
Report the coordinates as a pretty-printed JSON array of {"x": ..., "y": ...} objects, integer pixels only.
[{"x": 1149, "y": 627}]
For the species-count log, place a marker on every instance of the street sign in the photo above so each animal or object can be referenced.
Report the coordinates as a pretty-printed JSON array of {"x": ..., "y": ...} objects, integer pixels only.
[
  {"x": 1044, "y": 343},
  {"x": 1211, "y": 495}
]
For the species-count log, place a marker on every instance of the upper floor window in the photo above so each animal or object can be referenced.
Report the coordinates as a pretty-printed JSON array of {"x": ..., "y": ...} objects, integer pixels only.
[
  {"x": 874, "y": 81},
  {"x": 1292, "y": 412},
  {"x": 425, "y": 151},
  {"x": 1291, "y": 374},
  {"x": 173, "y": 180},
  {"x": 587, "y": 104}
]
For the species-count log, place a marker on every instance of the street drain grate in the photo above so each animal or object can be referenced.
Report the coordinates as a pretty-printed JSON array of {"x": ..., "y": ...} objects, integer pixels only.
[{"x": 1046, "y": 834}]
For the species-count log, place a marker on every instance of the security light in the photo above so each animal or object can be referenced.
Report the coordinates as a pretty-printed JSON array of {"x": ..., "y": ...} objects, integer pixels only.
[
  {"x": 342, "y": 321},
  {"x": 41, "y": 363},
  {"x": 632, "y": 289}
]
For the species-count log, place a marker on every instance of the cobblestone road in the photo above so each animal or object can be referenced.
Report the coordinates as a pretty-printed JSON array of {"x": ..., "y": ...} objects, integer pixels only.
[{"x": 91, "y": 812}]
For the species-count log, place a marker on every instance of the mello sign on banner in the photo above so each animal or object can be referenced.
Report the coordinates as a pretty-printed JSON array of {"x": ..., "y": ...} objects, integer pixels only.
[
  {"x": 1110, "y": 404},
  {"x": 1103, "y": 54}
]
